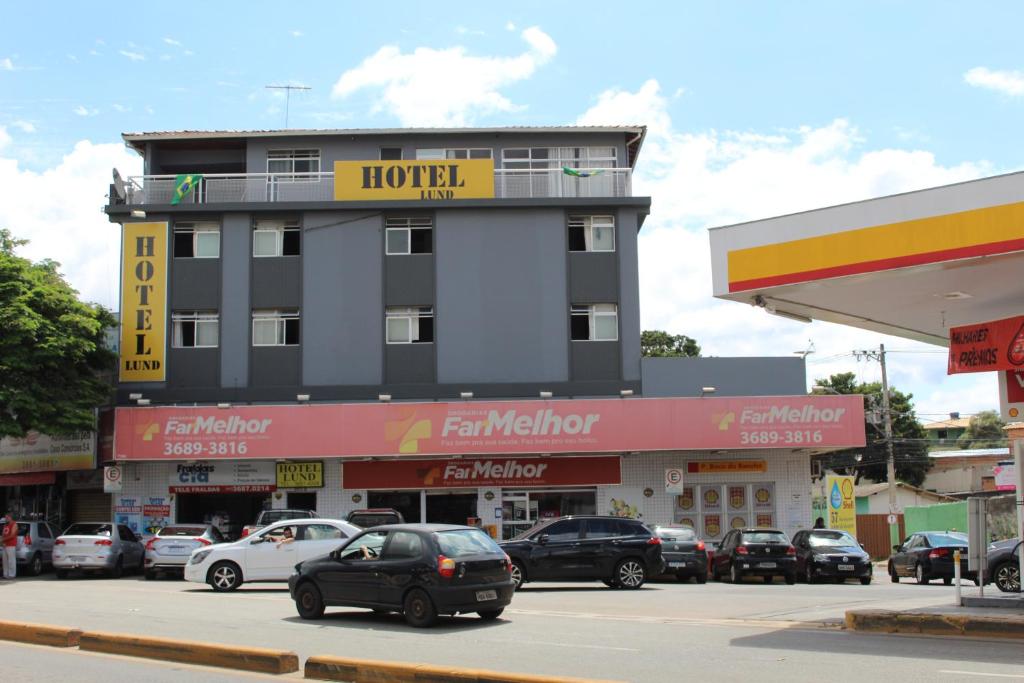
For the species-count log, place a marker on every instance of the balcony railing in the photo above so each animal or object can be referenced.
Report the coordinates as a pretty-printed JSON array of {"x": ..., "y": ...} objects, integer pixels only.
[{"x": 221, "y": 188}]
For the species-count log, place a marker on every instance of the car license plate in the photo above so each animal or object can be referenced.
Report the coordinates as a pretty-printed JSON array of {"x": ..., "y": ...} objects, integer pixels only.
[
  {"x": 482, "y": 596},
  {"x": 846, "y": 567},
  {"x": 77, "y": 558},
  {"x": 766, "y": 565},
  {"x": 177, "y": 550},
  {"x": 677, "y": 564}
]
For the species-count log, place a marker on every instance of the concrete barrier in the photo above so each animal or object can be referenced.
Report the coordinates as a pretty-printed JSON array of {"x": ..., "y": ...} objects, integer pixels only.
[
  {"x": 325, "y": 668},
  {"x": 935, "y": 624},
  {"x": 203, "y": 654},
  {"x": 39, "y": 634}
]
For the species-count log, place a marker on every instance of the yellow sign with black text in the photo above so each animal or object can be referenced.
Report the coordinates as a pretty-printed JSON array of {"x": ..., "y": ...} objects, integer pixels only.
[
  {"x": 143, "y": 302},
  {"x": 425, "y": 180},
  {"x": 842, "y": 505},
  {"x": 300, "y": 475}
]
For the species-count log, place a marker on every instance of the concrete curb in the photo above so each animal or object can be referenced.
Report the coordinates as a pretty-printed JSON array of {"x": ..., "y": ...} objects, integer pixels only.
[
  {"x": 325, "y": 668},
  {"x": 934, "y": 624},
  {"x": 39, "y": 634},
  {"x": 190, "y": 652}
]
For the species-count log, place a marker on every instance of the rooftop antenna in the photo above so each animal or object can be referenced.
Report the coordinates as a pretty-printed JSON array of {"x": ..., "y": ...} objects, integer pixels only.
[
  {"x": 808, "y": 351},
  {"x": 288, "y": 96}
]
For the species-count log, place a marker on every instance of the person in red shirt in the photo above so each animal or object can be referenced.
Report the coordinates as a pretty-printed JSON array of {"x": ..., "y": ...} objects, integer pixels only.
[{"x": 10, "y": 542}]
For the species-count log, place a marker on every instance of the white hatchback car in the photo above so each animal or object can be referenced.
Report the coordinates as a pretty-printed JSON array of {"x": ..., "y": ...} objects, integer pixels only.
[{"x": 269, "y": 554}]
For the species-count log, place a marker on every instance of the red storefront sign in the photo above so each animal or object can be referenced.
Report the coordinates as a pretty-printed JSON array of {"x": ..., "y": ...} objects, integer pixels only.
[
  {"x": 1015, "y": 387},
  {"x": 488, "y": 428},
  {"x": 28, "y": 479},
  {"x": 504, "y": 472},
  {"x": 996, "y": 345}
]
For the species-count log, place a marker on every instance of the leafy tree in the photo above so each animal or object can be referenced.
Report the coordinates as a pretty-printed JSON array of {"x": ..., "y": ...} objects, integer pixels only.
[
  {"x": 910, "y": 451},
  {"x": 985, "y": 430},
  {"x": 659, "y": 344},
  {"x": 51, "y": 348}
]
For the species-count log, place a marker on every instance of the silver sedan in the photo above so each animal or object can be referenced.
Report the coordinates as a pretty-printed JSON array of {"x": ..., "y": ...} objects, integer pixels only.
[
  {"x": 97, "y": 546},
  {"x": 169, "y": 550}
]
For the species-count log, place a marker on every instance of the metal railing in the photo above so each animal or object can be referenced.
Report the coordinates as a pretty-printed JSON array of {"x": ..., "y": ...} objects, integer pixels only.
[{"x": 221, "y": 188}]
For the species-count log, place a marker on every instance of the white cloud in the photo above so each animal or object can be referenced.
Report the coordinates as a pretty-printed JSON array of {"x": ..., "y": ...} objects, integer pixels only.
[
  {"x": 188, "y": 53},
  {"x": 5, "y": 138},
  {"x": 510, "y": 26},
  {"x": 120, "y": 108},
  {"x": 6, "y": 64},
  {"x": 708, "y": 178},
  {"x": 448, "y": 87},
  {"x": 165, "y": 58},
  {"x": 296, "y": 33},
  {"x": 172, "y": 41},
  {"x": 72, "y": 58},
  {"x": 1007, "y": 82},
  {"x": 57, "y": 209},
  {"x": 134, "y": 56},
  {"x": 81, "y": 110},
  {"x": 465, "y": 31},
  {"x": 24, "y": 126}
]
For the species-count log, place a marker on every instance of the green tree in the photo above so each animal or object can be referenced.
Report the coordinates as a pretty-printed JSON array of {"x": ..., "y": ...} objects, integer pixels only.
[
  {"x": 51, "y": 348},
  {"x": 659, "y": 344},
  {"x": 910, "y": 451},
  {"x": 985, "y": 430}
]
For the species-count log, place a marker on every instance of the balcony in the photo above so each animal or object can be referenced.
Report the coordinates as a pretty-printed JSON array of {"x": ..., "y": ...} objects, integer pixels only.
[{"x": 224, "y": 188}]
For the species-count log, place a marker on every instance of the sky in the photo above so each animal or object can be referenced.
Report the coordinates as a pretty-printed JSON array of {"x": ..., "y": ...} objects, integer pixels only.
[{"x": 753, "y": 110}]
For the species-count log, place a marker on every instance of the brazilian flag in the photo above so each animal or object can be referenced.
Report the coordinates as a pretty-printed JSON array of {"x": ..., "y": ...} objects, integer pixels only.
[
  {"x": 579, "y": 173},
  {"x": 183, "y": 185}
]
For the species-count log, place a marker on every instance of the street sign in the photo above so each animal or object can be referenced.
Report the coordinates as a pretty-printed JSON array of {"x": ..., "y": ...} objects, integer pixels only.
[
  {"x": 977, "y": 533},
  {"x": 892, "y": 519},
  {"x": 673, "y": 480},
  {"x": 112, "y": 479}
]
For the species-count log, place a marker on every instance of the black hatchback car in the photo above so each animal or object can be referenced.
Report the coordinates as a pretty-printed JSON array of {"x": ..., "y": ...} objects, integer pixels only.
[
  {"x": 684, "y": 552},
  {"x": 419, "y": 570},
  {"x": 618, "y": 551},
  {"x": 761, "y": 552},
  {"x": 830, "y": 554}
]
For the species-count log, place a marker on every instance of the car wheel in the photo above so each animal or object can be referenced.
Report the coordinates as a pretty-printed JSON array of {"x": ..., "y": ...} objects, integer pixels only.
[
  {"x": 948, "y": 580},
  {"x": 735, "y": 575},
  {"x": 767, "y": 578},
  {"x": 118, "y": 571},
  {"x": 518, "y": 574},
  {"x": 919, "y": 574},
  {"x": 630, "y": 574},
  {"x": 35, "y": 567},
  {"x": 865, "y": 580},
  {"x": 141, "y": 568},
  {"x": 490, "y": 614},
  {"x": 893, "y": 576},
  {"x": 419, "y": 609},
  {"x": 224, "y": 577},
  {"x": 308, "y": 601},
  {"x": 809, "y": 574},
  {"x": 61, "y": 573},
  {"x": 1007, "y": 577},
  {"x": 149, "y": 576},
  {"x": 701, "y": 578},
  {"x": 790, "y": 579}
]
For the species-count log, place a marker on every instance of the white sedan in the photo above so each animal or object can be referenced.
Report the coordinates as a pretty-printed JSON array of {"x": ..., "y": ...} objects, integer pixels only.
[{"x": 270, "y": 554}]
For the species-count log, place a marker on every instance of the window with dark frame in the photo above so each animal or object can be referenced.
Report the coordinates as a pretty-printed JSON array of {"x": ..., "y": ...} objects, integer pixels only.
[
  {"x": 197, "y": 240},
  {"x": 409, "y": 324},
  {"x": 195, "y": 329},
  {"x": 592, "y": 233},
  {"x": 409, "y": 236},
  {"x": 593, "y": 322},
  {"x": 276, "y": 238},
  {"x": 275, "y": 327},
  {"x": 390, "y": 153}
]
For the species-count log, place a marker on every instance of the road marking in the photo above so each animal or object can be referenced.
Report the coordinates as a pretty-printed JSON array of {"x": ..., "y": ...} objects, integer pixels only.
[
  {"x": 682, "y": 621},
  {"x": 981, "y": 674}
]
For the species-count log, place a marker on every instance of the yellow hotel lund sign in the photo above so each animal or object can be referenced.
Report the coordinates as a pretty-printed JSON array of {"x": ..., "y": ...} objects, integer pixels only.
[
  {"x": 143, "y": 302},
  {"x": 392, "y": 180}
]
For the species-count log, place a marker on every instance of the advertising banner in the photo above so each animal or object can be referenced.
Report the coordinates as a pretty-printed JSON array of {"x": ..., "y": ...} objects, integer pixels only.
[
  {"x": 128, "y": 511},
  {"x": 489, "y": 427},
  {"x": 300, "y": 475},
  {"x": 995, "y": 345},
  {"x": 1006, "y": 476},
  {"x": 223, "y": 477},
  {"x": 143, "y": 302},
  {"x": 37, "y": 452},
  {"x": 414, "y": 179},
  {"x": 518, "y": 472},
  {"x": 842, "y": 506},
  {"x": 726, "y": 466},
  {"x": 1011, "y": 395},
  {"x": 156, "y": 514}
]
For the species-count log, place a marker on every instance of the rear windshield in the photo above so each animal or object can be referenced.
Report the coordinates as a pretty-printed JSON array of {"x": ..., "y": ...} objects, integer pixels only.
[
  {"x": 949, "y": 538},
  {"x": 23, "y": 529},
  {"x": 765, "y": 537},
  {"x": 680, "y": 534},
  {"x": 832, "y": 539},
  {"x": 368, "y": 520},
  {"x": 182, "y": 531},
  {"x": 272, "y": 516},
  {"x": 462, "y": 542},
  {"x": 88, "y": 530}
]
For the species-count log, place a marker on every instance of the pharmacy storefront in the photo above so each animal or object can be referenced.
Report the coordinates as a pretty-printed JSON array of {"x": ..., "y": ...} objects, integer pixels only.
[{"x": 714, "y": 463}]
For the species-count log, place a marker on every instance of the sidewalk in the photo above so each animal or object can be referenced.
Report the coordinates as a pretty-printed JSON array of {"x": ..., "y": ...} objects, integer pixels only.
[{"x": 1004, "y": 618}]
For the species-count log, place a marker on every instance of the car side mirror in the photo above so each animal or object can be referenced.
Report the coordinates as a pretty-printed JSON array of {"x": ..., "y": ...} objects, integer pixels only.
[
  {"x": 543, "y": 540},
  {"x": 896, "y": 548},
  {"x": 257, "y": 540},
  {"x": 336, "y": 555},
  {"x": 863, "y": 547}
]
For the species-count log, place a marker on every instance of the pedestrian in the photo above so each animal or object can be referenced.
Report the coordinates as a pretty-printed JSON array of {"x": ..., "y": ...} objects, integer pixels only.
[
  {"x": 10, "y": 543},
  {"x": 819, "y": 523}
]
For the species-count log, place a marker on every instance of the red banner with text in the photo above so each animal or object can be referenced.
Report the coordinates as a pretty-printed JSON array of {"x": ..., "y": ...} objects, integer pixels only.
[
  {"x": 498, "y": 472},
  {"x": 995, "y": 345}
]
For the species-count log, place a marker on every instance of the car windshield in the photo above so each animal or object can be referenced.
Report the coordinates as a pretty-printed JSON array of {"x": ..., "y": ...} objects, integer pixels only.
[
  {"x": 676, "y": 533},
  {"x": 764, "y": 537},
  {"x": 832, "y": 539},
  {"x": 22, "y": 529},
  {"x": 88, "y": 530},
  {"x": 462, "y": 542},
  {"x": 182, "y": 531},
  {"x": 372, "y": 519},
  {"x": 948, "y": 538},
  {"x": 271, "y": 516}
]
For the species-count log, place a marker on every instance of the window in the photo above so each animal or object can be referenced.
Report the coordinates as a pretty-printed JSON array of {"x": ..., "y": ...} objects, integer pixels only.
[
  {"x": 125, "y": 533},
  {"x": 196, "y": 240},
  {"x": 440, "y": 154},
  {"x": 404, "y": 545},
  {"x": 568, "y": 530},
  {"x": 594, "y": 322},
  {"x": 322, "y": 532},
  {"x": 292, "y": 161},
  {"x": 44, "y": 531},
  {"x": 591, "y": 233},
  {"x": 604, "y": 528},
  {"x": 408, "y": 236},
  {"x": 275, "y": 328},
  {"x": 465, "y": 542},
  {"x": 557, "y": 157},
  {"x": 409, "y": 325},
  {"x": 365, "y": 547},
  {"x": 390, "y": 153},
  {"x": 88, "y": 530},
  {"x": 275, "y": 238},
  {"x": 194, "y": 330}
]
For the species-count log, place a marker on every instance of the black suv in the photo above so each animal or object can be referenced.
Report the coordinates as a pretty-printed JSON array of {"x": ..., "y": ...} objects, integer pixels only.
[
  {"x": 618, "y": 551},
  {"x": 371, "y": 517}
]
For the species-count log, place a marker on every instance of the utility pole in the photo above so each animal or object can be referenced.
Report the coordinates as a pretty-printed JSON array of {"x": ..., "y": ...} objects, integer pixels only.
[
  {"x": 288, "y": 96},
  {"x": 894, "y": 528}
]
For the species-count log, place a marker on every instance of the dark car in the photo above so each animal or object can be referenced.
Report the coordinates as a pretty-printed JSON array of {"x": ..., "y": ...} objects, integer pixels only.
[
  {"x": 618, "y": 551},
  {"x": 684, "y": 553},
  {"x": 374, "y": 517},
  {"x": 928, "y": 555},
  {"x": 1004, "y": 565},
  {"x": 760, "y": 552},
  {"x": 419, "y": 570},
  {"x": 830, "y": 554}
]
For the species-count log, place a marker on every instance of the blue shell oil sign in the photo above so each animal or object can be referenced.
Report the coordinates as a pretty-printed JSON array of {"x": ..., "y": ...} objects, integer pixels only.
[
  {"x": 143, "y": 302},
  {"x": 842, "y": 506}
]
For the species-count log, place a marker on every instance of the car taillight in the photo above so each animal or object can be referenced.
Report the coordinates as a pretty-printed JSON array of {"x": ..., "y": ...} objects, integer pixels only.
[
  {"x": 104, "y": 541},
  {"x": 59, "y": 541},
  {"x": 508, "y": 563},
  {"x": 937, "y": 553},
  {"x": 445, "y": 567},
  {"x": 28, "y": 540},
  {"x": 204, "y": 541},
  {"x": 741, "y": 550},
  {"x": 700, "y": 545},
  {"x": 791, "y": 550},
  {"x": 654, "y": 540},
  {"x": 149, "y": 543}
]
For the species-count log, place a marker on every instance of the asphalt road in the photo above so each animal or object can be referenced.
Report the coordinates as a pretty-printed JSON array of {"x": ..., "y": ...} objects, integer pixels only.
[{"x": 663, "y": 632}]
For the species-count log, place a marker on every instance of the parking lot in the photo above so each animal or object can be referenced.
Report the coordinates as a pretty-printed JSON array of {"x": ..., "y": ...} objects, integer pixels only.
[{"x": 557, "y": 628}]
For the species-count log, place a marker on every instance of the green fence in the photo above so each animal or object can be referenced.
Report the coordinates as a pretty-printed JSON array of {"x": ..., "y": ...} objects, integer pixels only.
[{"x": 938, "y": 517}]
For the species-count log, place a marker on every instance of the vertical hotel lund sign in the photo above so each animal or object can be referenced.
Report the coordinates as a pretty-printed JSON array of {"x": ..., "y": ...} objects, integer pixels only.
[
  {"x": 143, "y": 302},
  {"x": 421, "y": 180}
]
